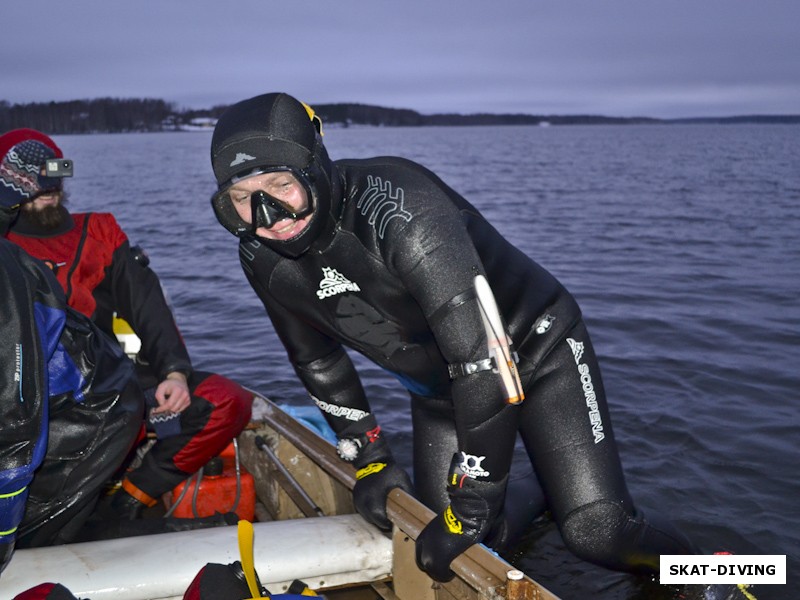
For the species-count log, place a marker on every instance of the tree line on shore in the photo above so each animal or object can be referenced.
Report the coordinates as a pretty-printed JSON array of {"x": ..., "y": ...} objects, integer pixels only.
[
  {"x": 118, "y": 115},
  {"x": 100, "y": 115}
]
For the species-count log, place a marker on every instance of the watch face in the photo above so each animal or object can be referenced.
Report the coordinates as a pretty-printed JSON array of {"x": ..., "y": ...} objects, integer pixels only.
[{"x": 348, "y": 448}]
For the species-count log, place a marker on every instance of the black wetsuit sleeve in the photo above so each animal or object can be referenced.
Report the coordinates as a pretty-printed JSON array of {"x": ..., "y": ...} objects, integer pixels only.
[
  {"x": 435, "y": 257},
  {"x": 321, "y": 364},
  {"x": 139, "y": 299}
]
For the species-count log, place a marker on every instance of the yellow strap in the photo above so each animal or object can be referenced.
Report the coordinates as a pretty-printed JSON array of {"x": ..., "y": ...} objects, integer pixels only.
[
  {"x": 743, "y": 588},
  {"x": 245, "y": 530},
  {"x": 12, "y": 494},
  {"x": 140, "y": 495},
  {"x": 314, "y": 118}
]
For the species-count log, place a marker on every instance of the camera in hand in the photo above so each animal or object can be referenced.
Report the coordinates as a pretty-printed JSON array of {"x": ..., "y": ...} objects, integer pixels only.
[{"x": 58, "y": 167}]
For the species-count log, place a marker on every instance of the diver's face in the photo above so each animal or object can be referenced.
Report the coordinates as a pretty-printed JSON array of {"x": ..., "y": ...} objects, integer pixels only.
[{"x": 284, "y": 187}]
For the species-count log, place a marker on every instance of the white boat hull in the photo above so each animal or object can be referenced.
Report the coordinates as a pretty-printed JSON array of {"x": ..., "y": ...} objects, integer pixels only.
[{"x": 323, "y": 552}]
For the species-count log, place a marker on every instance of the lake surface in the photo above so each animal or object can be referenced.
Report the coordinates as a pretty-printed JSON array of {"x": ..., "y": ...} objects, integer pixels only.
[{"x": 681, "y": 243}]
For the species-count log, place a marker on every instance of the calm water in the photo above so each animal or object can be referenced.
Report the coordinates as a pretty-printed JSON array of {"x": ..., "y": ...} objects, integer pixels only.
[{"x": 680, "y": 242}]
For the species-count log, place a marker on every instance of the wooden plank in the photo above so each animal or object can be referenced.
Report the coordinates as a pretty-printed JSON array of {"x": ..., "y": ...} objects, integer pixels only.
[
  {"x": 312, "y": 444},
  {"x": 409, "y": 581},
  {"x": 332, "y": 496},
  {"x": 288, "y": 482}
]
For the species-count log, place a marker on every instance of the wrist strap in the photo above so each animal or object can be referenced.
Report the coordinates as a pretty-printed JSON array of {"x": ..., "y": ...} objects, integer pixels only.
[
  {"x": 351, "y": 446},
  {"x": 456, "y": 370}
]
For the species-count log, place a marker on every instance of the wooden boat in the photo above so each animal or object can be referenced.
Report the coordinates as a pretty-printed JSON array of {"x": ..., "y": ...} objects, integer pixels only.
[{"x": 306, "y": 528}]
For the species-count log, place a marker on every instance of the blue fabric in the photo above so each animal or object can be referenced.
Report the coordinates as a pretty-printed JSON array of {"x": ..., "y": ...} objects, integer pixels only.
[
  {"x": 311, "y": 418},
  {"x": 49, "y": 323},
  {"x": 63, "y": 374},
  {"x": 415, "y": 387}
]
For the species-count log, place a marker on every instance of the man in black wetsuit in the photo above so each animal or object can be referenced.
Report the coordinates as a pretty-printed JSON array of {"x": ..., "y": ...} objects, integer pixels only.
[{"x": 381, "y": 256}]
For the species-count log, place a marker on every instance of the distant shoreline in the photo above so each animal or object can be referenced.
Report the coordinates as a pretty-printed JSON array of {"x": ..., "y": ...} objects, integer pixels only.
[{"x": 115, "y": 115}]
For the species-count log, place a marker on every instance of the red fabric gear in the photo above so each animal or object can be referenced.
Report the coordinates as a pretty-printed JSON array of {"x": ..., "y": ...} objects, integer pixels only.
[
  {"x": 15, "y": 136},
  {"x": 46, "y": 591}
]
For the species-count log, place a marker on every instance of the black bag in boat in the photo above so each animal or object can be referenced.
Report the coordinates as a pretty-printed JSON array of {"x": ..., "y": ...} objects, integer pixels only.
[
  {"x": 227, "y": 582},
  {"x": 46, "y": 591}
]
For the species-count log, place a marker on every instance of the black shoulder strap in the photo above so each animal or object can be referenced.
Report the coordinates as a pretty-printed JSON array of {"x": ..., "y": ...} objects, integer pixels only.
[{"x": 78, "y": 252}]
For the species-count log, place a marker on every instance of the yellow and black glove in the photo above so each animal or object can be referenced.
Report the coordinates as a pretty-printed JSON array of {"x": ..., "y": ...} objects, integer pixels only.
[
  {"x": 376, "y": 471},
  {"x": 475, "y": 509}
]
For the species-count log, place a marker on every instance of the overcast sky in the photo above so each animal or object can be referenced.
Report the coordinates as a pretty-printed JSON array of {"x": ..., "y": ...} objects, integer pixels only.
[{"x": 660, "y": 58}]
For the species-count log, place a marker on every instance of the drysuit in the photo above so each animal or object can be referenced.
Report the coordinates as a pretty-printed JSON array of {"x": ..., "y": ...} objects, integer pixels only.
[
  {"x": 102, "y": 275},
  {"x": 71, "y": 408}
]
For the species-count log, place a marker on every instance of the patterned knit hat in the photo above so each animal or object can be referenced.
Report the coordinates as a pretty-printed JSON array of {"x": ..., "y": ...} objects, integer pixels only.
[{"x": 22, "y": 154}]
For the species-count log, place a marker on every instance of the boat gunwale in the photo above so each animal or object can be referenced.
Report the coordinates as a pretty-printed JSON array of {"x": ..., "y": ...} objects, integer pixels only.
[{"x": 482, "y": 570}]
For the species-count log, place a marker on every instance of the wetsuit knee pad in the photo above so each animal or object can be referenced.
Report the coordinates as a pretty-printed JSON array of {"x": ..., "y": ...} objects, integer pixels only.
[
  {"x": 603, "y": 533},
  {"x": 609, "y": 535}
]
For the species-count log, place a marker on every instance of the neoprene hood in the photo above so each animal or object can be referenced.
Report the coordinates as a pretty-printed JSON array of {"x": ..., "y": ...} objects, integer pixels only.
[{"x": 273, "y": 132}]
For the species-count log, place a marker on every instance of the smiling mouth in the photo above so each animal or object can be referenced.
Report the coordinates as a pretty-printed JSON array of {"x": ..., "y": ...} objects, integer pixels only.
[
  {"x": 286, "y": 229},
  {"x": 293, "y": 228}
]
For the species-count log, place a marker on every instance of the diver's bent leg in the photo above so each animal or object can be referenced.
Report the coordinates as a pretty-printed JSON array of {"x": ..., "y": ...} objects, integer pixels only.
[
  {"x": 606, "y": 534},
  {"x": 524, "y": 503},
  {"x": 567, "y": 431}
]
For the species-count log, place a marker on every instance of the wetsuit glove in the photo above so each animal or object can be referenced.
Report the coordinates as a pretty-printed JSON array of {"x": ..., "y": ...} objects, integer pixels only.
[
  {"x": 376, "y": 471},
  {"x": 475, "y": 507},
  {"x": 11, "y": 196}
]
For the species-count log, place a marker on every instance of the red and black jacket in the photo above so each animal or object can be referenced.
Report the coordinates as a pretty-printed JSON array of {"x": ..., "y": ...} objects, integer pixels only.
[{"x": 92, "y": 260}]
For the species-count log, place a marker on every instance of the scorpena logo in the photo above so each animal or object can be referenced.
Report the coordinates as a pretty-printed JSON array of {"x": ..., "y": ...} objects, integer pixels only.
[
  {"x": 577, "y": 349},
  {"x": 334, "y": 283},
  {"x": 351, "y": 414},
  {"x": 588, "y": 391}
]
